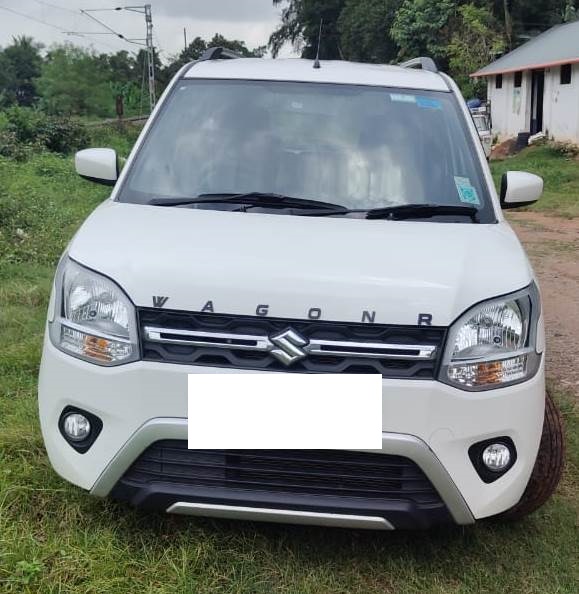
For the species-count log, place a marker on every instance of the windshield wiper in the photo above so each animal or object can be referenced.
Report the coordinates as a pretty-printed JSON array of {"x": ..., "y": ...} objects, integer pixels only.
[
  {"x": 421, "y": 211},
  {"x": 264, "y": 199},
  {"x": 400, "y": 212}
]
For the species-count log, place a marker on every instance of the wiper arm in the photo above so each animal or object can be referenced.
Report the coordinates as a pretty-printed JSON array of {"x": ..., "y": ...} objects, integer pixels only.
[
  {"x": 250, "y": 198},
  {"x": 404, "y": 211},
  {"x": 422, "y": 211}
]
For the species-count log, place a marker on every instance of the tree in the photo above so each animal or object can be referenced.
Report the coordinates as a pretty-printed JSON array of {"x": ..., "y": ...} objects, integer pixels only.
[
  {"x": 196, "y": 48},
  {"x": 300, "y": 26},
  {"x": 424, "y": 28},
  {"x": 75, "y": 81},
  {"x": 364, "y": 27},
  {"x": 6, "y": 81},
  {"x": 570, "y": 12},
  {"x": 475, "y": 42},
  {"x": 23, "y": 63}
]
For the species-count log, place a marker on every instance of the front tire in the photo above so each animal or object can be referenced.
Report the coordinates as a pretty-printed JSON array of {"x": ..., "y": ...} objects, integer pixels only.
[{"x": 548, "y": 466}]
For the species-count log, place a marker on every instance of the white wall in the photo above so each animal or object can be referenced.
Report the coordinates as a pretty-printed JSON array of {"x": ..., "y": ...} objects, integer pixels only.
[
  {"x": 561, "y": 111},
  {"x": 511, "y": 114},
  {"x": 510, "y": 106}
]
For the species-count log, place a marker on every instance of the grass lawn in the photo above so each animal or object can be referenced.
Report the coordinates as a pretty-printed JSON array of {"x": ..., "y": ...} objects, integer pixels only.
[
  {"x": 561, "y": 176},
  {"x": 55, "y": 538}
]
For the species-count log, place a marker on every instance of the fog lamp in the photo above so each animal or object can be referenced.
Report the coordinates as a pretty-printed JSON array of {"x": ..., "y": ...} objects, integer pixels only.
[
  {"x": 496, "y": 457},
  {"x": 76, "y": 427}
]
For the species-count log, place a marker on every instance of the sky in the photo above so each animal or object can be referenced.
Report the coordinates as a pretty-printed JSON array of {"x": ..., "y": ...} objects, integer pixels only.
[{"x": 51, "y": 21}]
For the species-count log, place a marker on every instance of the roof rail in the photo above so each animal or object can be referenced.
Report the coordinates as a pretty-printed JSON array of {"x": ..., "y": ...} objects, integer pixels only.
[
  {"x": 422, "y": 62},
  {"x": 218, "y": 53}
]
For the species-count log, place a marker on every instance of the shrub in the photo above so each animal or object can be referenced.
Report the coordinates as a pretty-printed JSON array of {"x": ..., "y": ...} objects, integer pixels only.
[
  {"x": 566, "y": 149},
  {"x": 33, "y": 128}
]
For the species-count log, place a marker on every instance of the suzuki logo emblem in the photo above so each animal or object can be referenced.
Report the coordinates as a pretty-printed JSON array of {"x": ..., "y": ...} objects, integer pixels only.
[{"x": 289, "y": 346}]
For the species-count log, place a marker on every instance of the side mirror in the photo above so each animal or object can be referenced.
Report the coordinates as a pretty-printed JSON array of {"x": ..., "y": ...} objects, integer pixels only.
[
  {"x": 519, "y": 188},
  {"x": 99, "y": 165}
]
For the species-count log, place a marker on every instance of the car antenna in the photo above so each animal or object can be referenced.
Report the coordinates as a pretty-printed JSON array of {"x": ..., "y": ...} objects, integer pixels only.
[{"x": 317, "y": 60}]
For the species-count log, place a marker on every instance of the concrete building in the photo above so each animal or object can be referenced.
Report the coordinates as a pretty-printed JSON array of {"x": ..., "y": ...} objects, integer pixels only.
[{"x": 535, "y": 88}]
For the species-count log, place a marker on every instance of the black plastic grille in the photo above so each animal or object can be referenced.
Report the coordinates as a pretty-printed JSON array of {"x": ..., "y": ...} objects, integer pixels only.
[
  {"x": 322, "y": 330},
  {"x": 309, "y": 472}
]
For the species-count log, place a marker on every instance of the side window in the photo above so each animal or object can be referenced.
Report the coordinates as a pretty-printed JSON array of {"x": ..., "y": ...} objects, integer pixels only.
[
  {"x": 499, "y": 81},
  {"x": 518, "y": 79},
  {"x": 565, "y": 74}
]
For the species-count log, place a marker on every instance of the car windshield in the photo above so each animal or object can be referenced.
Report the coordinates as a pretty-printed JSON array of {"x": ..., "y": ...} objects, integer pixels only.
[{"x": 359, "y": 147}]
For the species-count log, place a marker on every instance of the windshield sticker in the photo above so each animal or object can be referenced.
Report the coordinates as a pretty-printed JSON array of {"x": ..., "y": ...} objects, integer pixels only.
[
  {"x": 466, "y": 192},
  {"x": 428, "y": 103},
  {"x": 400, "y": 98}
]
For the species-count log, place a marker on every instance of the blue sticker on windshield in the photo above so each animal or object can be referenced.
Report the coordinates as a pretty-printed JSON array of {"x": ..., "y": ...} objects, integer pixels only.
[
  {"x": 466, "y": 192},
  {"x": 428, "y": 103},
  {"x": 402, "y": 98}
]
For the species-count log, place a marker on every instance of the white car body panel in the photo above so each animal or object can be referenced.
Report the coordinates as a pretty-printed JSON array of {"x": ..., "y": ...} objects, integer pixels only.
[
  {"x": 344, "y": 266},
  {"x": 445, "y": 418},
  {"x": 242, "y": 260},
  {"x": 295, "y": 69}
]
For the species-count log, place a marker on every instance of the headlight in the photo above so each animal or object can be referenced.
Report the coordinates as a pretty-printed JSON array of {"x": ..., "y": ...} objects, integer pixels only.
[
  {"x": 94, "y": 319},
  {"x": 493, "y": 344}
]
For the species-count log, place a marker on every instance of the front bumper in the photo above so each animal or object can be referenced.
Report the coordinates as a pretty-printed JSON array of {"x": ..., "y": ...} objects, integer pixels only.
[{"x": 428, "y": 422}]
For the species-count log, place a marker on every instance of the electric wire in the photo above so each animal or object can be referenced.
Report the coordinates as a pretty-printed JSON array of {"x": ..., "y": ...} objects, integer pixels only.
[{"x": 27, "y": 16}]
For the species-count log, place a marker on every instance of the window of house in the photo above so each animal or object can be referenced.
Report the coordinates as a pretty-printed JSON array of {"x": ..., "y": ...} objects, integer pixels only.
[
  {"x": 566, "y": 74},
  {"x": 518, "y": 79},
  {"x": 499, "y": 81}
]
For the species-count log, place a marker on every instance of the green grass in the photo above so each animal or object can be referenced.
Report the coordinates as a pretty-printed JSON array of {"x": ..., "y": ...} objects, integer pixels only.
[
  {"x": 55, "y": 538},
  {"x": 561, "y": 176}
]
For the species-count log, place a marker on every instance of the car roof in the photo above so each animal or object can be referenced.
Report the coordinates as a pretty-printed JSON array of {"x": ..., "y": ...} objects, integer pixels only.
[{"x": 300, "y": 70}]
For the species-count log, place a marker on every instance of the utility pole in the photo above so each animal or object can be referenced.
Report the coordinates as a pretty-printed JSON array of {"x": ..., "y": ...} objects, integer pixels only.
[
  {"x": 146, "y": 10},
  {"x": 149, "y": 48},
  {"x": 185, "y": 37},
  {"x": 150, "y": 56}
]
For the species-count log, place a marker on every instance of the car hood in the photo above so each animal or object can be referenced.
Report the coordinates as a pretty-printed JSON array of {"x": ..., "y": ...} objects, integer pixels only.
[{"x": 395, "y": 270}]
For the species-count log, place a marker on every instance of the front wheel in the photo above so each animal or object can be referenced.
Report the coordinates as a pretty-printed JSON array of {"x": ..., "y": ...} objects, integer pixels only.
[{"x": 548, "y": 466}]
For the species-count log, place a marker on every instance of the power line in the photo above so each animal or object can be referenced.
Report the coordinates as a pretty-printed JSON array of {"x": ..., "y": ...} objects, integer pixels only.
[
  {"x": 112, "y": 31},
  {"x": 47, "y": 24},
  {"x": 150, "y": 50},
  {"x": 50, "y": 5},
  {"x": 27, "y": 16}
]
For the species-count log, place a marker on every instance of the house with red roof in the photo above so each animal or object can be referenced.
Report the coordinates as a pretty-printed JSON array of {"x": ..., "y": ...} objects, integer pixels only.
[{"x": 535, "y": 88}]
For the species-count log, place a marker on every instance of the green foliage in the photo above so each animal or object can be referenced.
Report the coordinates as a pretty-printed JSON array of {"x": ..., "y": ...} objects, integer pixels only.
[
  {"x": 195, "y": 49},
  {"x": 32, "y": 128},
  {"x": 73, "y": 81},
  {"x": 424, "y": 28},
  {"x": 300, "y": 26},
  {"x": 474, "y": 43},
  {"x": 20, "y": 65},
  {"x": 43, "y": 200},
  {"x": 364, "y": 27}
]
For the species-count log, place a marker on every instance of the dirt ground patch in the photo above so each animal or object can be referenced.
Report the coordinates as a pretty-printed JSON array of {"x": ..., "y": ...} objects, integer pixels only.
[{"x": 552, "y": 244}]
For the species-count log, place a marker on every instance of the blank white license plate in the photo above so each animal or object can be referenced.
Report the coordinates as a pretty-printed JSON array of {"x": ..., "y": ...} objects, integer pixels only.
[{"x": 285, "y": 411}]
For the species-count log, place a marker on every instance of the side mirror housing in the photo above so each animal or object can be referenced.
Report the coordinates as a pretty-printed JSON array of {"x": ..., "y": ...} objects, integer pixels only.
[
  {"x": 99, "y": 165},
  {"x": 519, "y": 188}
]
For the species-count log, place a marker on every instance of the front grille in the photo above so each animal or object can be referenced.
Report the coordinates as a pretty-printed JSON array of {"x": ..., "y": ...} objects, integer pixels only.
[
  {"x": 297, "y": 472},
  {"x": 400, "y": 360}
]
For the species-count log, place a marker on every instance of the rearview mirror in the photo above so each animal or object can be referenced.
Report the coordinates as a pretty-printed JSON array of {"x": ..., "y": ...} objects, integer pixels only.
[
  {"x": 519, "y": 188},
  {"x": 99, "y": 165}
]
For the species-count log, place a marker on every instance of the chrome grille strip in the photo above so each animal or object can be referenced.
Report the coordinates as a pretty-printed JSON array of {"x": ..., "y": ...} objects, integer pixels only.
[
  {"x": 246, "y": 342},
  {"x": 262, "y": 343}
]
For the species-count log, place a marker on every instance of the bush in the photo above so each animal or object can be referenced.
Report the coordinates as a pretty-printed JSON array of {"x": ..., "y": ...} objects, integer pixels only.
[
  {"x": 566, "y": 149},
  {"x": 33, "y": 128}
]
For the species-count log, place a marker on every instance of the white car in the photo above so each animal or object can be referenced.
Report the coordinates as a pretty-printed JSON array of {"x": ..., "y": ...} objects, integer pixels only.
[
  {"x": 275, "y": 216},
  {"x": 484, "y": 132}
]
